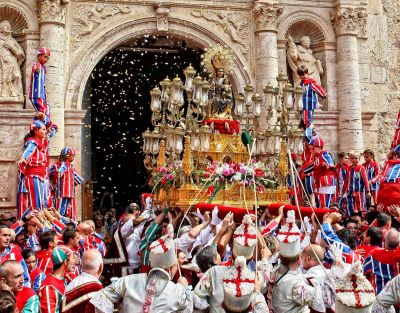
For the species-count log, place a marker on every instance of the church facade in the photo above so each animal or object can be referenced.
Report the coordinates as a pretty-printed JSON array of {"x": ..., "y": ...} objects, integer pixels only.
[{"x": 351, "y": 44}]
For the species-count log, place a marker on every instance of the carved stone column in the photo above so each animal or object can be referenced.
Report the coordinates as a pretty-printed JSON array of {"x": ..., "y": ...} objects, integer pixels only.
[
  {"x": 52, "y": 32},
  {"x": 265, "y": 15},
  {"x": 349, "y": 22}
]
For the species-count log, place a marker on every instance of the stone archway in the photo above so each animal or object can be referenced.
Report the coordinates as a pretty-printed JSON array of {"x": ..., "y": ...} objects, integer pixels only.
[
  {"x": 93, "y": 51},
  {"x": 103, "y": 42}
]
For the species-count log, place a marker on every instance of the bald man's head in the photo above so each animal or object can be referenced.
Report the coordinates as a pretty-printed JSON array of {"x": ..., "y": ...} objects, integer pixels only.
[
  {"x": 392, "y": 239},
  {"x": 84, "y": 228},
  {"x": 311, "y": 256},
  {"x": 12, "y": 274},
  {"x": 92, "y": 262}
]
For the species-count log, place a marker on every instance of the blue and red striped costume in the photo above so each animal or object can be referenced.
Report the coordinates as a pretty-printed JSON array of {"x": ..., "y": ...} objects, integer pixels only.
[
  {"x": 307, "y": 164},
  {"x": 354, "y": 189},
  {"x": 36, "y": 156},
  {"x": 381, "y": 266},
  {"x": 373, "y": 170},
  {"x": 389, "y": 189},
  {"x": 341, "y": 174},
  {"x": 64, "y": 178},
  {"x": 13, "y": 252},
  {"x": 324, "y": 177},
  {"x": 330, "y": 237},
  {"x": 37, "y": 277},
  {"x": 37, "y": 90},
  {"x": 310, "y": 98}
]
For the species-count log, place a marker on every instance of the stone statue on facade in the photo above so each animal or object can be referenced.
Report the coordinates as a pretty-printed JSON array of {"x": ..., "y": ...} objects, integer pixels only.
[
  {"x": 11, "y": 58},
  {"x": 302, "y": 55}
]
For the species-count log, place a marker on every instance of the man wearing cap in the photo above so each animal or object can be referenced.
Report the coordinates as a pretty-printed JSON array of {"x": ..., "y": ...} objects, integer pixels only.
[
  {"x": 37, "y": 89},
  {"x": 12, "y": 278},
  {"x": 52, "y": 291},
  {"x": 389, "y": 190},
  {"x": 82, "y": 288},
  {"x": 324, "y": 174},
  {"x": 64, "y": 178},
  {"x": 291, "y": 293},
  {"x": 210, "y": 292},
  {"x": 152, "y": 292}
]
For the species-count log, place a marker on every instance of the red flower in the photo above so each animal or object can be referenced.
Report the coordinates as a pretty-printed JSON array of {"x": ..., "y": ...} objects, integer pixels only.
[
  {"x": 210, "y": 190},
  {"x": 259, "y": 172},
  {"x": 163, "y": 180}
]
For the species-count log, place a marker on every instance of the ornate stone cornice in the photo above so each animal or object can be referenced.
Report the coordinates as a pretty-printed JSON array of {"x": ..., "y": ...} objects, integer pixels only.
[
  {"x": 265, "y": 16},
  {"x": 350, "y": 21},
  {"x": 52, "y": 11}
]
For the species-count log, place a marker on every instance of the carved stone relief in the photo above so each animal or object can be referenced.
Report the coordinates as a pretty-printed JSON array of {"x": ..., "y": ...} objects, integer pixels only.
[
  {"x": 162, "y": 17},
  {"x": 350, "y": 20},
  {"x": 52, "y": 11},
  {"x": 234, "y": 24},
  {"x": 266, "y": 17},
  {"x": 11, "y": 58},
  {"x": 88, "y": 17}
]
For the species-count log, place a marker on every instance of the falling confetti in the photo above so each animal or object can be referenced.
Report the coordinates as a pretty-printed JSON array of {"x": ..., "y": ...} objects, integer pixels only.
[{"x": 120, "y": 97}]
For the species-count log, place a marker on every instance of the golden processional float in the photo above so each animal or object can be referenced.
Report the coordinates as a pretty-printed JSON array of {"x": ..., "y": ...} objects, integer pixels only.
[{"x": 205, "y": 146}]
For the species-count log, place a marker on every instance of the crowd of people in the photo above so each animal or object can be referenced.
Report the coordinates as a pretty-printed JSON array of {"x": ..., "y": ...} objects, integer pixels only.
[{"x": 153, "y": 258}]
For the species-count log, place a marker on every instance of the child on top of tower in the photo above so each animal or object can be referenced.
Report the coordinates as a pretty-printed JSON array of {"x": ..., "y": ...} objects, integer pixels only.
[{"x": 310, "y": 96}]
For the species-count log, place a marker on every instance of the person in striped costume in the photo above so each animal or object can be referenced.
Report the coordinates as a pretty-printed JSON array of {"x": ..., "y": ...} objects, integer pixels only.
[
  {"x": 37, "y": 88},
  {"x": 36, "y": 275},
  {"x": 310, "y": 96},
  {"x": 35, "y": 161},
  {"x": 306, "y": 169},
  {"x": 64, "y": 178},
  {"x": 9, "y": 251},
  {"x": 341, "y": 172},
  {"x": 52, "y": 291},
  {"x": 12, "y": 278},
  {"x": 383, "y": 264},
  {"x": 372, "y": 168},
  {"x": 324, "y": 174},
  {"x": 48, "y": 241},
  {"x": 356, "y": 187},
  {"x": 389, "y": 190}
]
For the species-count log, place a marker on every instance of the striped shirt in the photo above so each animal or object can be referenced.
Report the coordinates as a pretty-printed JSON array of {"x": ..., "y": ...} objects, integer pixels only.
[
  {"x": 311, "y": 92},
  {"x": 51, "y": 294},
  {"x": 37, "y": 88},
  {"x": 391, "y": 173},
  {"x": 381, "y": 266},
  {"x": 356, "y": 180},
  {"x": 324, "y": 171},
  {"x": 372, "y": 169}
]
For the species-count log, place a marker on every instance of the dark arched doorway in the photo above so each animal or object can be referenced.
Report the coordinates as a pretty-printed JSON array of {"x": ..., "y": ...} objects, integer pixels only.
[{"x": 117, "y": 99}]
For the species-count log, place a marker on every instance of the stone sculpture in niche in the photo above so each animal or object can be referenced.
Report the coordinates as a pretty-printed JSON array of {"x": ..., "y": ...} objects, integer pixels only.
[
  {"x": 11, "y": 58},
  {"x": 302, "y": 55}
]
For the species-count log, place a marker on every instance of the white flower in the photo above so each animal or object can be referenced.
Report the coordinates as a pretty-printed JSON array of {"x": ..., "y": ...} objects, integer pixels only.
[
  {"x": 219, "y": 170},
  {"x": 237, "y": 177}
]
